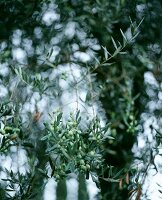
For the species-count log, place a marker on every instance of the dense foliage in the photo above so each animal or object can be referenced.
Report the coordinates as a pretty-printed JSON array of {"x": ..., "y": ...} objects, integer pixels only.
[{"x": 80, "y": 87}]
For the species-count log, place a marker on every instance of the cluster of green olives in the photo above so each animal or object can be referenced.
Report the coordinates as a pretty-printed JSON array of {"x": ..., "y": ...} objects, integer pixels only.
[
  {"x": 72, "y": 148},
  {"x": 132, "y": 126}
]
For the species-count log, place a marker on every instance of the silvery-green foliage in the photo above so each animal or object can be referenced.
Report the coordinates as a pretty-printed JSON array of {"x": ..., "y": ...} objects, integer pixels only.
[{"x": 73, "y": 148}]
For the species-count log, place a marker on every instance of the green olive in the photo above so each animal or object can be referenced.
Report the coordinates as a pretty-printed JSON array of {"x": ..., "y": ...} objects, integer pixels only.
[
  {"x": 71, "y": 143},
  {"x": 83, "y": 167},
  {"x": 72, "y": 137},
  {"x": 63, "y": 138},
  {"x": 79, "y": 156},
  {"x": 88, "y": 166},
  {"x": 92, "y": 153},
  {"x": 77, "y": 136},
  {"x": 99, "y": 137},
  {"x": 82, "y": 162}
]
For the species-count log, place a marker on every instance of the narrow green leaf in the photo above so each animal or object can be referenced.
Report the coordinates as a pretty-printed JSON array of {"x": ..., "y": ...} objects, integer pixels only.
[
  {"x": 111, "y": 180},
  {"x": 123, "y": 35},
  {"x": 27, "y": 144},
  {"x": 105, "y": 52},
  {"x": 59, "y": 116},
  {"x": 107, "y": 64},
  {"x": 45, "y": 137},
  {"x": 114, "y": 43},
  {"x": 77, "y": 115},
  {"x": 139, "y": 24},
  {"x": 3, "y": 142}
]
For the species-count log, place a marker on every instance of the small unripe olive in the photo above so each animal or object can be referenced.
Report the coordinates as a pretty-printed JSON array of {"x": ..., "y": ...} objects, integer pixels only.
[
  {"x": 111, "y": 141},
  {"x": 88, "y": 166},
  {"x": 131, "y": 123},
  {"x": 99, "y": 137},
  {"x": 77, "y": 136},
  {"x": 72, "y": 137},
  {"x": 93, "y": 138},
  {"x": 131, "y": 117},
  {"x": 79, "y": 156},
  {"x": 92, "y": 153},
  {"x": 82, "y": 162},
  {"x": 70, "y": 133},
  {"x": 64, "y": 138},
  {"x": 83, "y": 167},
  {"x": 71, "y": 144}
]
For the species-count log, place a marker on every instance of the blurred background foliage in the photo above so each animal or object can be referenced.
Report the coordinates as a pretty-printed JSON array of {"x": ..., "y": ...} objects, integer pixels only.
[{"x": 52, "y": 55}]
